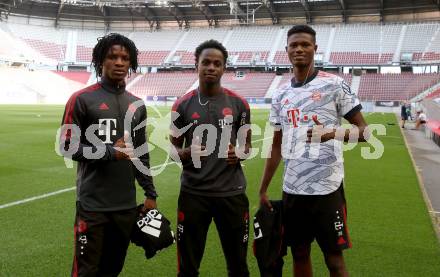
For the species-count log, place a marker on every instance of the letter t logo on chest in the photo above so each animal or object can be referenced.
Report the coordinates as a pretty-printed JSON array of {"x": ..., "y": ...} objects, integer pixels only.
[{"x": 105, "y": 128}]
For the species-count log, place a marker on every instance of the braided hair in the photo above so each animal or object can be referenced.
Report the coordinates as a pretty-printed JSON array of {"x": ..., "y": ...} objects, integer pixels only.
[{"x": 105, "y": 43}]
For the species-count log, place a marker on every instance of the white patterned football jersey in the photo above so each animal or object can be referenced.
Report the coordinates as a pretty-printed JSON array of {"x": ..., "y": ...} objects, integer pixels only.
[{"x": 312, "y": 168}]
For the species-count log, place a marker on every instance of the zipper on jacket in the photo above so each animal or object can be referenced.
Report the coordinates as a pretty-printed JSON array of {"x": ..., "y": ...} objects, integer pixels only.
[{"x": 120, "y": 112}]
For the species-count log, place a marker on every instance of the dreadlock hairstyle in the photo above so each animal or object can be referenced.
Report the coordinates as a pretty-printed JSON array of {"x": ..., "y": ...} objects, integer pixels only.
[{"x": 105, "y": 43}]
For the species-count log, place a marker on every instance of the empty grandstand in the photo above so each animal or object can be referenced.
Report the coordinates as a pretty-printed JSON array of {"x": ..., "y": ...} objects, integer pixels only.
[
  {"x": 53, "y": 38},
  {"x": 338, "y": 44}
]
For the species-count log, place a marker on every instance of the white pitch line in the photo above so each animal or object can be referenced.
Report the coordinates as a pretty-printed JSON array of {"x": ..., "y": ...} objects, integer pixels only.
[
  {"x": 54, "y": 193},
  {"x": 35, "y": 198},
  {"x": 257, "y": 140},
  {"x": 19, "y": 202}
]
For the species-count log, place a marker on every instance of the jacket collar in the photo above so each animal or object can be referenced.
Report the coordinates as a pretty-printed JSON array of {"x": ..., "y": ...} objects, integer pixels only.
[{"x": 110, "y": 87}]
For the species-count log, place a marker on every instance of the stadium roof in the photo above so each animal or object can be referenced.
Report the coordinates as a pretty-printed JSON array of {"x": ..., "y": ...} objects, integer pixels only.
[{"x": 185, "y": 11}]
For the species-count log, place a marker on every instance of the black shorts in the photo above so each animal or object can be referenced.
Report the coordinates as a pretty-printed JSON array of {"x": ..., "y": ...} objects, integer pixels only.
[
  {"x": 320, "y": 217},
  {"x": 404, "y": 116}
]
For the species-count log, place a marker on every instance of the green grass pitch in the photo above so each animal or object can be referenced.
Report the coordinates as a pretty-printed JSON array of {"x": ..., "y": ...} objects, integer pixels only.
[{"x": 388, "y": 221}]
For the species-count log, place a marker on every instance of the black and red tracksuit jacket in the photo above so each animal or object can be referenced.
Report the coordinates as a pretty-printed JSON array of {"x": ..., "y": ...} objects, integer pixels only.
[{"x": 104, "y": 183}]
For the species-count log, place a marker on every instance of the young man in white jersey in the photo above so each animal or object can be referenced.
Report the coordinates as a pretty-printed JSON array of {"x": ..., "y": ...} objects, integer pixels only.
[{"x": 307, "y": 114}]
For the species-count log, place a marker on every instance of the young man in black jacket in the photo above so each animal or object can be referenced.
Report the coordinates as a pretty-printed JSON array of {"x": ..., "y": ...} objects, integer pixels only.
[
  {"x": 207, "y": 124},
  {"x": 107, "y": 146}
]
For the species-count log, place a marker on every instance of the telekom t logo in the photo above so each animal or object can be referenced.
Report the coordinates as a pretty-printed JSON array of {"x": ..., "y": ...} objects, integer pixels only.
[
  {"x": 107, "y": 130},
  {"x": 293, "y": 117}
]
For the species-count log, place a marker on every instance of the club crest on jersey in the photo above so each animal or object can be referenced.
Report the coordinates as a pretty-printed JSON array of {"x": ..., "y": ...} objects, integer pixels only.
[
  {"x": 104, "y": 107},
  {"x": 227, "y": 111},
  {"x": 195, "y": 116},
  {"x": 316, "y": 96}
]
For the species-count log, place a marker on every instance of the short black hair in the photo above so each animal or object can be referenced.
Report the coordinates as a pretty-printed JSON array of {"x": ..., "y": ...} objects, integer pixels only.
[
  {"x": 105, "y": 43},
  {"x": 212, "y": 43},
  {"x": 302, "y": 29}
]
